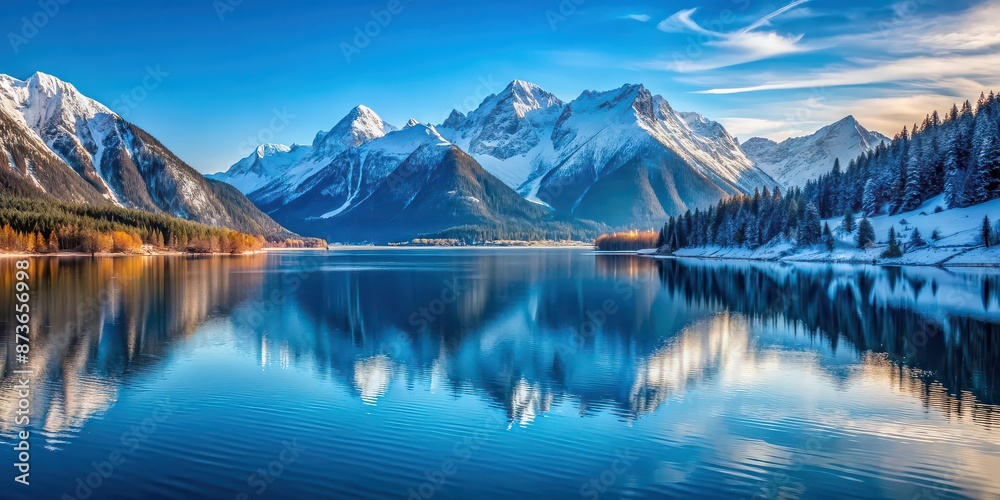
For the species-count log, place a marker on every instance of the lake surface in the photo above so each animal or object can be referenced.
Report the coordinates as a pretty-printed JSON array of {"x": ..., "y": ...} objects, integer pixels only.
[{"x": 511, "y": 373}]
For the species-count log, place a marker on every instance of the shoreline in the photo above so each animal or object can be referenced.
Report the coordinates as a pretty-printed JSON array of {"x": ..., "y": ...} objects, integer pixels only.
[
  {"x": 816, "y": 259},
  {"x": 22, "y": 255}
]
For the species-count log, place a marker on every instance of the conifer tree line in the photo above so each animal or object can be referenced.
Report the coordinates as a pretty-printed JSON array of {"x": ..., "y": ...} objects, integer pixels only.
[
  {"x": 45, "y": 225},
  {"x": 957, "y": 155}
]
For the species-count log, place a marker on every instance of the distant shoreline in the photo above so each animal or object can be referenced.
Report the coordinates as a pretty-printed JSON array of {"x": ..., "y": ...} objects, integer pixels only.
[{"x": 581, "y": 245}]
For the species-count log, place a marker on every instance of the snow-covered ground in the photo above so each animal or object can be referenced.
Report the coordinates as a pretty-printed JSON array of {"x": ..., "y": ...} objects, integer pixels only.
[{"x": 958, "y": 243}]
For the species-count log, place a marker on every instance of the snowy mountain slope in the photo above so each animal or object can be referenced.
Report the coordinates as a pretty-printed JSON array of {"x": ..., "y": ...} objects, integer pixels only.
[
  {"x": 797, "y": 160},
  {"x": 298, "y": 164},
  {"x": 113, "y": 160}
]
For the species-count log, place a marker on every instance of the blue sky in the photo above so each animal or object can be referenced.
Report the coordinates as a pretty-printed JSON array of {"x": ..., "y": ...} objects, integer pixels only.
[{"x": 217, "y": 76}]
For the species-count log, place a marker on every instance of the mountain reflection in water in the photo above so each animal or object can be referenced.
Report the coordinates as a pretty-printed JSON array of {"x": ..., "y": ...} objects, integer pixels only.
[{"x": 774, "y": 350}]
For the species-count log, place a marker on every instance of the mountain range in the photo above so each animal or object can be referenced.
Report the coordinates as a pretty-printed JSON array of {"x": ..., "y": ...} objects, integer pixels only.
[
  {"x": 799, "y": 159},
  {"x": 57, "y": 141},
  {"x": 620, "y": 158},
  {"x": 523, "y": 165}
]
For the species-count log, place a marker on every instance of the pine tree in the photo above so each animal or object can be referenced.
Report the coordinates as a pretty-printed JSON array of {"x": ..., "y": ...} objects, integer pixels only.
[
  {"x": 53, "y": 241},
  {"x": 849, "y": 225},
  {"x": 916, "y": 240},
  {"x": 913, "y": 194},
  {"x": 984, "y": 233},
  {"x": 828, "y": 236},
  {"x": 870, "y": 199},
  {"x": 893, "y": 252},
  {"x": 987, "y": 158},
  {"x": 809, "y": 227},
  {"x": 866, "y": 234}
]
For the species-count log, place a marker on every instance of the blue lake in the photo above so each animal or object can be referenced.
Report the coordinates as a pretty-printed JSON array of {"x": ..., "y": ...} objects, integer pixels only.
[{"x": 503, "y": 373}]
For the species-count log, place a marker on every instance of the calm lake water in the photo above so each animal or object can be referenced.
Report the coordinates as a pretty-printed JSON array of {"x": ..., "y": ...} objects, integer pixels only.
[{"x": 504, "y": 374}]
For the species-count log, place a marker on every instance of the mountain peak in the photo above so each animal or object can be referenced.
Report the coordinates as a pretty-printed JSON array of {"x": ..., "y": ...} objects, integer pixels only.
[
  {"x": 360, "y": 125},
  {"x": 411, "y": 123},
  {"x": 361, "y": 110},
  {"x": 799, "y": 159},
  {"x": 454, "y": 120},
  {"x": 523, "y": 97},
  {"x": 265, "y": 150},
  {"x": 521, "y": 86},
  {"x": 45, "y": 79}
]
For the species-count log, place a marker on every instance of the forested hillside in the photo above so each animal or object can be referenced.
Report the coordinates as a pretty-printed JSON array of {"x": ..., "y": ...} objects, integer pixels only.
[
  {"x": 42, "y": 224},
  {"x": 957, "y": 156}
]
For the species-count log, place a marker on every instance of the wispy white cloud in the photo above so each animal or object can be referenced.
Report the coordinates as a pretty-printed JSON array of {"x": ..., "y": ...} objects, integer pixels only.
[
  {"x": 747, "y": 44},
  {"x": 920, "y": 70},
  {"x": 642, "y": 18},
  {"x": 766, "y": 20},
  {"x": 681, "y": 22},
  {"x": 940, "y": 51}
]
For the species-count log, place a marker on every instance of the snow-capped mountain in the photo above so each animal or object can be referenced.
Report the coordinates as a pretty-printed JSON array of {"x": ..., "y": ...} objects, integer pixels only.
[
  {"x": 406, "y": 184},
  {"x": 509, "y": 132},
  {"x": 625, "y": 145},
  {"x": 355, "y": 174},
  {"x": 288, "y": 168},
  {"x": 267, "y": 163},
  {"x": 622, "y": 157},
  {"x": 436, "y": 189},
  {"x": 392, "y": 187},
  {"x": 797, "y": 160},
  {"x": 58, "y": 141}
]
